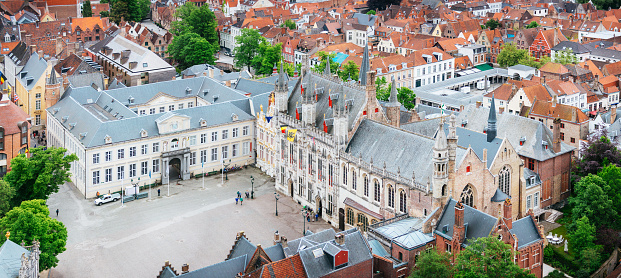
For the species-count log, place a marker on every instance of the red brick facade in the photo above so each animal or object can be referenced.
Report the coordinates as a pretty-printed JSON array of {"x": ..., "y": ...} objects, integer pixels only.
[{"x": 14, "y": 134}]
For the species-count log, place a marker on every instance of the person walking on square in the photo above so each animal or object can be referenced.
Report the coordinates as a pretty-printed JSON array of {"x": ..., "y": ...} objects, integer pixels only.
[
  {"x": 247, "y": 194},
  {"x": 158, "y": 192},
  {"x": 236, "y": 200},
  {"x": 241, "y": 201},
  {"x": 238, "y": 194},
  {"x": 56, "y": 212},
  {"x": 316, "y": 217}
]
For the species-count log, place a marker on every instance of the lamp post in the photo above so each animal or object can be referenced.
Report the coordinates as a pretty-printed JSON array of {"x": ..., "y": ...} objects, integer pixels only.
[
  {"x": 303, "y": 221},
  {"x": 276, "y": 196},
  {"x": 252, "y": 193}
]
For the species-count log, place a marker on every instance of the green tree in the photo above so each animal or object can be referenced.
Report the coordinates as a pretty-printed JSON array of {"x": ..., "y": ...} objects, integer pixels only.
[
  {"x": 267, "y": 57},
  {"x": 611, "y": 175},
  {"x": 87, "y": 10},
  {"x": 592, "y": 202},
  {"x": 433, "y": 264},
  {"x": 290, "y": 68},
  {"x": 193, "y": 19},
  {"x": 247, "y": 47},
  {"x": 103, "y": 14},
  {"x": 405, "y": 95},
  {"x": 382, "y": 90},
  {"x": 555, "y": 274},
  {"x": 488, "y": 257},
  {"x": 129, "y": 10},
  {"x": 591, "y": 258},
  {"x": 31, "y": 221},
  {"x": 198, "y": 51},
  {"x": 6, "y": 194},
  {"x": 533, "y": 62},
  {"x": 350, "y": 70},
  {"x": 289, "y": 24},
  {"x": 323, "y": 57},
  {"x": 371, "y": 12},
  {"x": 603, "y": 4},
  {"x": 565, "y": 57},
  {"x": 119, "y": 9},
  {"x": 510, "y": 55},
  {"x": 380, "y": 5},
  {"x": 492, "y": 24},
  {"x": 583, "y": 236},
  {"x": 38, "y": 176},
  {"x": 596, "y": 154},
  {"x": 532, "y": 24}
]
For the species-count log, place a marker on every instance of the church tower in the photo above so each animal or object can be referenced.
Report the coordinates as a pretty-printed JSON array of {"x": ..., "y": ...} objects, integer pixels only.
[
  {"x": 452, "y": 149},
  {"x": 491, "y": 122},
  {"x": 364, "y": 67},
  {"x": 309, "y": 102},
  {"x": 281, "y": 88},
  {"x": 52, "y": 90},
  {"x": 440, "y": 168},
  {"x": 341, "y": 117},
  {"x": 393, "y": 107}
]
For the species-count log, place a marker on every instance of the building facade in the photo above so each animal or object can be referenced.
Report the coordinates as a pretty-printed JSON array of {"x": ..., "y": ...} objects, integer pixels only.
[{"x": 14, "y": 134}]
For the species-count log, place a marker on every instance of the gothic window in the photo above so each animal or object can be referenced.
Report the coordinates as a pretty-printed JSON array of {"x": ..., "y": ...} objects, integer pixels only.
[
  {"x": 444, "y": 190},
  {"x": 376, "y": 190},
  {"x": 391, "y": 196},
  {"x": 402, "y": 201},
  {"x": 366, "y": 185},
  {"x": 504, "y": 180},
  {"x": 467, "y": 196},
  {"x": 363, "y": 219},
  {"x": 344, "y": 175},
  {"x": 353, "y": 179},
  {"x": 350, "y": 216}
]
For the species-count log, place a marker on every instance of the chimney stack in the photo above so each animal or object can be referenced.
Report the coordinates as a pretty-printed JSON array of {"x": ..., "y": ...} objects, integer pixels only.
[
  {"x": 276, "y": 237},
  {"x": 210, "y": 73},
  {"x": 459, "y": 229},
  {"x": 478, "y": 103},
  {"x": 185, "y": 268},
  {"x": 339, "y": 239},
  {"x": 507, "y": 211},
  {"x": 556, "y": 135},
  {"x": 501, "y": 109},
  {"x": 227, "y": 83}
]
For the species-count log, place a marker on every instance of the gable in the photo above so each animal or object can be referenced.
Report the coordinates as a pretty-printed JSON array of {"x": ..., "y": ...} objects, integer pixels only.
[
  {"x": 170, "y": 122},
  {"x": 160, "y": 98}
]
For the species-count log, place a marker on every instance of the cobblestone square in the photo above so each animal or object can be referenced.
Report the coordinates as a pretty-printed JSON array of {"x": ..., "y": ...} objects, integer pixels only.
[{"x": 194, "y": 226}]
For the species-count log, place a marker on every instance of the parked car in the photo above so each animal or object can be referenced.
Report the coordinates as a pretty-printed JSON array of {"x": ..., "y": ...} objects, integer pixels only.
[{"x": 107, "y": 198}]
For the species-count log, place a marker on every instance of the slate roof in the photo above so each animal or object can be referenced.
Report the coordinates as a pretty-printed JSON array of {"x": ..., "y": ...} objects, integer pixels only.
[
  {"x": 87, "y": 79},
  {"x": 11, "y": 259},
  {"x": 32, "y": 71},
  {"x": 146, "y": 60},
  {"x": 574, "y": 46},
  {"x": 500, "y": 196},
  {"x": 479, "y": 224},
  {"x": 365, "y": 19},
  {"x": 20, "y": 54},
  {"x": 225, "y": 269},
  {"x": 198, "y": 70},
  {"x": 399, "y": 148},
  {"x": 528, "y": 173},
  {"x": 378, "y": 249},
  {"x": 607, "y": 53},
  {"x": 406, "y": 233},
  {"x": 526, "y": 231}
]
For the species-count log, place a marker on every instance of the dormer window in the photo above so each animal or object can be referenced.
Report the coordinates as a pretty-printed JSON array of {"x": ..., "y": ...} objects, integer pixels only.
[
  {"x": 234, "y": 117},
  {"x": 522, "y": 140},
  {"x": 532, "y": 180},
  {"x": 107, "y": 139},
  {"x": 143, "y": 133}
]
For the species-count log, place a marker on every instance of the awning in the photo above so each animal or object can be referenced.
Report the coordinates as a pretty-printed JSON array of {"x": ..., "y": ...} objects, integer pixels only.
[
  {"x": 361, "y": 208},
  {"x": 484, "y": 67}
]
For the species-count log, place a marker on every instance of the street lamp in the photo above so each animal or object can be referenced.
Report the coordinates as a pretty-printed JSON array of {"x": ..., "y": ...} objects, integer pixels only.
[
  {"x": 303, "y": 221},
  {"x": 252, "y": 193},
  {"x": 276, "y": 196}
]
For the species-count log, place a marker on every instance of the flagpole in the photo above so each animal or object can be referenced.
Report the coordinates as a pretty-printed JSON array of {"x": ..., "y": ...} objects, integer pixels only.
[
  {"x": 222, "y": 172},
  {"x": 168, "y": 180},
  {"x": 122, "y": 205},
  {"x": 203, "y": 166}
]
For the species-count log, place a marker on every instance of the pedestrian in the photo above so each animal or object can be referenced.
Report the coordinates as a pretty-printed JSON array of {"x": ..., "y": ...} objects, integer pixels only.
[
  {"x": 247, "y": 194},
  {"x": 158, "y": 192},
  {"x": 236, "y": 200},
  {"x": 56, "y": 212},
  {"x": 307, "y": 218},
  {"x": 316, "y": 217},
  {"x": 241, "y": 201},
  {"x": 97, "y": 194},
  {"x": 238, "y": 194}
]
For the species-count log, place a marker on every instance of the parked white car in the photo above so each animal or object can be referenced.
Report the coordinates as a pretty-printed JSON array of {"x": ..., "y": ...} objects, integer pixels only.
[{"x": 107, "y": 198}]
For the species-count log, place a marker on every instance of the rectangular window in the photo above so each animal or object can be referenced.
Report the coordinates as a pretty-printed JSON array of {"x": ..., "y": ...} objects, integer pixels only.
[
  {"x": 192, "y": 140},
  {"x": 573, "y": 140},
  {"x": 95, "y": 177},
  {"x": 214, "y": 136},
  {"x": 225, "y": 134},
  {"x": 143, "y": 112},
  {"x": 225, "y": 152},
  {"x": 108, "y": 155},
  {"x": 536, "y": 200},
  {"x": 156, "y": 165},
  {"x": 37, "y": 105},
  {"x": 528, "y": 202},
  {"x": 192, "y": 158},
  {"x": 214, "y": 154},
  {"x": 95, "y": 158},
  {"x": 143, "y": 149},
  {"x": 531, "y": 164},
  {"x": 152, "y": 111},
  {"x": 120, "y": 172},
  {"x": 190, "y": 104},
  {"x": 203, "y": 138},
  {"x": 245, "y": 130},
  {"x": 246, "y": 148},
  {"x": 132, "y": 170},
  {"x": 235, "y": 132},
  {"x": 171, "y": 107},
  {"x": 180, "y": 106},
  {"x": 109, "y": 175},
  {"x": 156, "y": 147},
  {"x": 162, "y": 109},
  {"x": 235, "y": 150},
  {"x": 143, "y": 167},
  {"x": 132, "y": 151},
  {"x": 203, "y": 156}
]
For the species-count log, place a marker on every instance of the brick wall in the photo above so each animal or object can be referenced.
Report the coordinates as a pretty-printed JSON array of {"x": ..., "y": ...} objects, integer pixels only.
[
  {"x": 12, "y": 145},
  {"x": 360, "y": 270}
]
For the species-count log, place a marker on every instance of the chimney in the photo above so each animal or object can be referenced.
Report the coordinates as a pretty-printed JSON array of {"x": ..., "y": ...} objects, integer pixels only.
[
  {"x": 221, "y": 72},
  {"x": 613, "y": 114},
  {"x": 276, "y": 237},
  {"x": 500, "y": 110},
  {"x": 514, "y": 88},
  {"x": 458, "y": 228},
  {"x": 461, "y": 108},
  {"x": 185, "y": 268},
  {"x": 556, "y": 135},
  {"x": 339, "y": 239},
  {"x": 227, "y": 83},
  {"x": 479, "y": 103},
  {"x": 210, "y": 72},
  {"x": 507, "y": 211},
  {"x": 283, "y": 241}
]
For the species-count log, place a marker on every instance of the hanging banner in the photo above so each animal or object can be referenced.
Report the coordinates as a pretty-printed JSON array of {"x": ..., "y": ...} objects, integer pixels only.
[
  {"x": 268, "y": 119},
  {"x": 291, "y": 134},
  {"x": 283, "y": 129}
]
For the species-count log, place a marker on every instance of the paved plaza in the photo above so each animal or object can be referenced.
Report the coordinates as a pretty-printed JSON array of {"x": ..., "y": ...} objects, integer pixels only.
[{"x": 194, "y": 226}]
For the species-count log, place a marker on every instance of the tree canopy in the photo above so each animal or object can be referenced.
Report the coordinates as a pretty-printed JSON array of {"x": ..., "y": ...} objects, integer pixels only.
[
  {"x": 323, "y": 57},
  {"x": 195, "y": 39},
  {"x": 591, "y": 200},
  {"x": 532, "y": 24},
  {"x": 380, "y": 5},
  {"x": 31, "y": 221},
  {"x": 405, "y": 95},
  {"x": 565, "y": 57},
  {"x": 87, "y": 10},
  {"x": 289, "y": 24},
  {"x": 6, "y": 195},
  {"x": 267, "y": 57},
  {"x": 604, "y": 4},
  {"x": 492, "y": 24},
  {"x": 38, "y": 176},
  {"x": 350, "y": 70},
  {"x": 511, "y": 56},
  {"x": 433, "y": 264},
  {"x": 488, "y": 257},
  {"x": 247, "y": 47},
  {"x": 129, "y": 10},
  {"x": 597, "y": 153}
]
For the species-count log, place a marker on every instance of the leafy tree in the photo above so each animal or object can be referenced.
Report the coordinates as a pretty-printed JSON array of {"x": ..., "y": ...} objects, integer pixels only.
[
  {"x": 488, "y": 257},
  {"x": 590, "y": 258},
  {"x": 119, "y": 9},
  {"x": 565, "y": 57},
  {"x": 38, "y": 176},
  {"x": 611, "y": 175},
  {"x": 591, "y": 201},
  {"x": 603, "y": 4},
  {"x": 433, "y": 264},
  {"x": 267, "y": 57},
  {"x": 532, "y": 24},
  {"x": 350, "y": 70},
  {"x": 6, "y": 194},
  {"x": 103, "y": 14},
  {"x": 31, "y": 221},
  {"x": 371, "y": 12},
  {"x": 608, "y": 238},
  {"x": 381, "y": 89},
  {"x": 289, "y": 24},
  {"x": 129, "y": 10},
  {"x": 533, "y": 62},
  {"x": 380, "y": 5},
  {"x": 555, "y": 274},
  {"x": 510, "y": 55},
  {"x": 405, "y": 95},
  {"x": 597, "y": 153},
  {"x": 290, "y": 68},
  {"x": 193, "y": 19},
  {"x": 87, "y": 10},
  {"x": 583, "y": 236},
  {"x": 492, "y": 24},
  {"x": 248, "y": 47},
  {"x": 323, "y": 57}
]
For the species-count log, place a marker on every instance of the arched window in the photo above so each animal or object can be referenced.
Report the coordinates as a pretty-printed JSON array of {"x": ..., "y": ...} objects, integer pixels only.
[
  {"x": 350, "y": 216},
  {"x": 344, "y": 175},
  {"x": 504, "y": 180},
  {"x": 467, "y": 196},
  {"x": 402, "y": 201},
  {"x": 353, "y": 179},
  {"x": 444, "y": 190},
  {"x": 366, "y": 185},
  {"x": 391, "y": 196},
  {"x": 376, "y": 190},
  {"x": 363, "y": 219}
]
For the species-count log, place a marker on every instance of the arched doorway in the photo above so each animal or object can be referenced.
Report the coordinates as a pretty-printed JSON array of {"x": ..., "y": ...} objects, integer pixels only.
[
  {"x": 291, "y": 188},
  {"x": 342, "y": 219},
  {"x": 516, "y": 76},
  {"x": 174, "y": 168},
  {"x": 319, "y": 206}
]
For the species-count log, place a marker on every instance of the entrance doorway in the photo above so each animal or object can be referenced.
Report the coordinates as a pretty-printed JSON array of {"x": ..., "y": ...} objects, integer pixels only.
[
  {"x": 174, "y": 167},
  {"x": 342, "y": 219},
  {"x": 291, "y": 188},
  {"x": 319, "y": 207}
]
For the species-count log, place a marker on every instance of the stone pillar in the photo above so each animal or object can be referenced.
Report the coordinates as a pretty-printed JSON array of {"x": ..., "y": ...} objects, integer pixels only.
[
  {"x": 185, "y": 166},
  {"x": 164, "y": 169}
]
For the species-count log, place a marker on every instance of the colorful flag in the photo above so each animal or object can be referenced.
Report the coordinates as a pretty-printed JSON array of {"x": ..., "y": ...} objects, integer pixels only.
[
  {"x": 291, "y": 134},
  {"x": 268, "y": 119},
  {"x": 16, "y": 98},
  {"x": 443, "y": 107},
  {"x": 283, "y": 129},
  {"x": 2, "y": 78}
]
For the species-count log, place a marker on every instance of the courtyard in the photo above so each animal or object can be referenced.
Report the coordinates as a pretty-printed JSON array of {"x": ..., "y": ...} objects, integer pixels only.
[{"x": 194, "y": 225}]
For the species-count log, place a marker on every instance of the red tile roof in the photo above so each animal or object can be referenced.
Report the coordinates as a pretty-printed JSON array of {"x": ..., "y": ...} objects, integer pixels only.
[
  {"x": 290, "y": 267},
  {"x": 555, "y": 68},
  {"x": 10, "y": 116},
  {"x": 565, "y": 112}
]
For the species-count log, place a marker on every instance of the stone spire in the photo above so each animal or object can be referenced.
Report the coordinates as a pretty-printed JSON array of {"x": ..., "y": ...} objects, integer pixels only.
[
  {"x": 392, "y": 101},
  {"x": 52, "y": 80},
  {"x": 282, "y": 80},
  {"x": 327, "y": 71},
  {"x": 440, "y": 143},
  {"x": 364, "y": 67},
  {"x": 491, "y": 122}
]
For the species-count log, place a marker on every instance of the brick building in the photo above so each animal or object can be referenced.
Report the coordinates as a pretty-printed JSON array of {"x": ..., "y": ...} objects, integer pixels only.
[
  {"x": 574, "y": 124},
  {"x": 544, "y": 41},
  {"x": 554, "y": 71},
  {"x": 14, "y": 134}
]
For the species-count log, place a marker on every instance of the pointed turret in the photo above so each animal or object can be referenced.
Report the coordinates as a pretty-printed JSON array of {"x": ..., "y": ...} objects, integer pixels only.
[
  {"x": 52, "y": 90},
  {"x": 491, "y": 122},
  {"x": 281, "y": 89},
  {"x": 393, "y": 106},
  {"x": 52, "y": 80},
  {"x": 440, "y": 142},
  {"x": 340, "y": 114},
  {"x": 327, "y": 71},
  {"x": 392, "y": 100},
  {"x": 440, "y": 164},
  {"x": 364, "y": 67}
]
